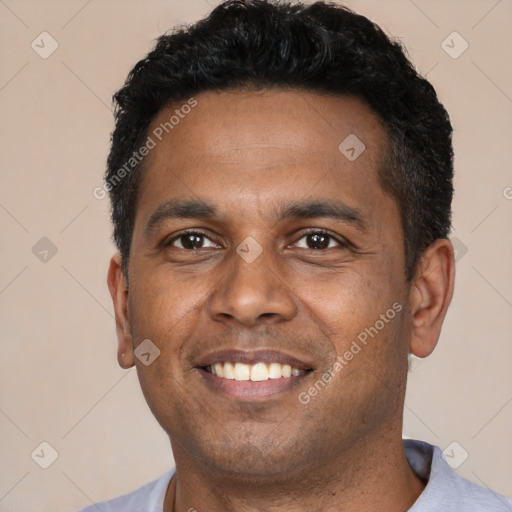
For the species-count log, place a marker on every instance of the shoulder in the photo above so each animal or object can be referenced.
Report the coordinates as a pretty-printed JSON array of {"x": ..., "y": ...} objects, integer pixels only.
[
  {"x": 446, "y": 490},
  {"x": 150, "y": 498}
]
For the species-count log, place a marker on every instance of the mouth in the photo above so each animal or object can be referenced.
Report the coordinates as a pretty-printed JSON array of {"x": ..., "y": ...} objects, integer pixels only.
[
  {"x": 256, "y": 372},
  {"x": 252, "y": 376}
]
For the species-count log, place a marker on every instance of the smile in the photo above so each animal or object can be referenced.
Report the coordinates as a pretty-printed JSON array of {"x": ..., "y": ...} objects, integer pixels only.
[
  {"x": 248, "y": 375},
  {"x": 254, "y": 372}
]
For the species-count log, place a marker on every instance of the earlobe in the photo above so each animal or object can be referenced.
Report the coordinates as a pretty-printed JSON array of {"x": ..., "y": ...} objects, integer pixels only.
[
  {"x": 430, "y": 296},
  {"x": 119, "y": 293},
  {"x": 125, "y": 360}
]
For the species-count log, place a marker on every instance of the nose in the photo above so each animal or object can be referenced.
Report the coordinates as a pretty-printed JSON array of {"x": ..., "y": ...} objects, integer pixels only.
[{"x": 252, "y": 293}]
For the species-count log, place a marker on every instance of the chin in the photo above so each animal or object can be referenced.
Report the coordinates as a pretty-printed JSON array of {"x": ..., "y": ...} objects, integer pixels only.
[{"x": 250, "y": 461}]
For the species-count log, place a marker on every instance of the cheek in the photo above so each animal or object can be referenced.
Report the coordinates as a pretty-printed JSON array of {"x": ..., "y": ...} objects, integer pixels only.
[
  {"x": 344, "y": 302},
  {"x": 166, "y": 312},
  {"x": 161, "y": 304},
  {"x": 362, "y": 314}
]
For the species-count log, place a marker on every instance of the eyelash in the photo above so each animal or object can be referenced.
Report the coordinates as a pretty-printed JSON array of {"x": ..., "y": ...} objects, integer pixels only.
[{"x": 311, "y": 231}]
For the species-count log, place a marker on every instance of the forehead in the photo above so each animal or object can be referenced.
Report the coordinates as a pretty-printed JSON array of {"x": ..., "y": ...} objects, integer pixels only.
[
  {"x": 230, "y": 121},
  {"x": 265, "y": 147}
]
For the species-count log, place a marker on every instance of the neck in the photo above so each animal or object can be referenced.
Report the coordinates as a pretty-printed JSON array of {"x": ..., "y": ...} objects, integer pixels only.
[{"x": 370, "y": 476}]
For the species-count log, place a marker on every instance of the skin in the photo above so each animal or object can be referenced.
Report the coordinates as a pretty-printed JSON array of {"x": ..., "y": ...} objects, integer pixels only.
[{"x": 248, "y": 153}]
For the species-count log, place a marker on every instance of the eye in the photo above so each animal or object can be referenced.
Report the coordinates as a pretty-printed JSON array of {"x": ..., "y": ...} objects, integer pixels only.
[
  {"x": 319, "y": 239},
  {"x": 191, "y": 240}
]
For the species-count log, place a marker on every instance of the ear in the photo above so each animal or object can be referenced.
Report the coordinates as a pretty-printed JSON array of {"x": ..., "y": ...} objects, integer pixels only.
[
  {"x": 430, "y": 296},
  {"x": 119, "y": 292}
]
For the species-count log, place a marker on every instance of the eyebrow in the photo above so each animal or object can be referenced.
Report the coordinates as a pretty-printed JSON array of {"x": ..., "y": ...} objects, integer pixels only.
[
  {"x": 176, "y": 209},
  {"x": 199, "y": 209},
  {"x": 329, "y": 208}
]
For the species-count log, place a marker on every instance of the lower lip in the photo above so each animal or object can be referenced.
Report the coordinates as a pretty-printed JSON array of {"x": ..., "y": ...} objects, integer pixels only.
[{"x": 248, "y": 389}]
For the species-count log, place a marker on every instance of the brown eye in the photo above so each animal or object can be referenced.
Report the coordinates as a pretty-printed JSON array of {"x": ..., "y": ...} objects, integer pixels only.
[
  {"x": 318, "y": 240},
  {"x": 191, "y": 241}
]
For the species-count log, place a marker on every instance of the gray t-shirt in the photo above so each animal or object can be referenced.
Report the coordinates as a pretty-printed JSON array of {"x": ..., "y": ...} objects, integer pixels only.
[{"x": 446, "y": 491}]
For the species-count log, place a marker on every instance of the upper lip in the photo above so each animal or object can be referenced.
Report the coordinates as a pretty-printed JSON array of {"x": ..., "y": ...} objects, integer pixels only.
[{"x": 252, "y": 357}]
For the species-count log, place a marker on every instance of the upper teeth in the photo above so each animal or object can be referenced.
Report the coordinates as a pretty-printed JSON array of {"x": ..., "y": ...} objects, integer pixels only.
[{"x": 254, "y": 372}]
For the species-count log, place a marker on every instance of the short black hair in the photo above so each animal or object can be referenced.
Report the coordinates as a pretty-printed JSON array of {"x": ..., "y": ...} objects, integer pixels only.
[{"x": 322, "y": 47}]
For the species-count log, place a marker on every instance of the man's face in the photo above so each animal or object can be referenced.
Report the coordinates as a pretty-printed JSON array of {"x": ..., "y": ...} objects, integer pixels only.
[{"x": 246, "y": 172}]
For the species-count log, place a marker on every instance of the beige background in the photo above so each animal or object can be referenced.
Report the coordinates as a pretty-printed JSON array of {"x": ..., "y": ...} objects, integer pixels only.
[{"x": 60, "y": 382}]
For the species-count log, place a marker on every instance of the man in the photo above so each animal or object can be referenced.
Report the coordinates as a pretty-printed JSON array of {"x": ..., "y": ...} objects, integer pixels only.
[{"x": 281, "y": 186}]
